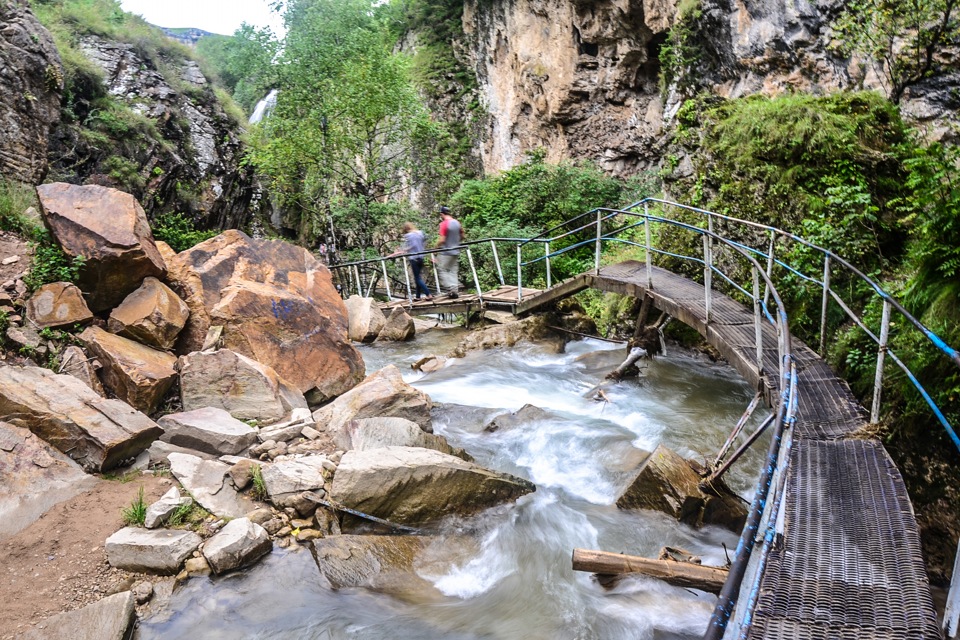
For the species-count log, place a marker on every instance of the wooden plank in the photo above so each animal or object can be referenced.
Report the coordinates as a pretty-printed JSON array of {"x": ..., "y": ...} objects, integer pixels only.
[{"x": 680, "y": 574}]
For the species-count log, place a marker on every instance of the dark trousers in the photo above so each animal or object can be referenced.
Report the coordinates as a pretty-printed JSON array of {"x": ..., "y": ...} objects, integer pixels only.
[{"x": 417, "y": 265}]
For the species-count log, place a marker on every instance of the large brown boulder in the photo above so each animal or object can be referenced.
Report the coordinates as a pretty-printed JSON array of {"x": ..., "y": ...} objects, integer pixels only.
[
  {"x": 382, "y": 395},
  {"x": 152, "y": 315},
  {"x": 399, "y": 327},
  {"x": 186, "y": 283},
  {"x": 244, "y": 388},
  {"x": 58, "y": 304},
  {"x": 98, "y": 433},
  {"x": 666, "y": 482},
  {"x": 415, "y": 486},
  {"x": 110, "y": 230},
  {"x": 277, "y": 305},
  {"x": 504, "y": 335},
  {"x": 32, "y": 80},
  {"x": 364, "y": 319},
  {"x": 135, "y": 373}
]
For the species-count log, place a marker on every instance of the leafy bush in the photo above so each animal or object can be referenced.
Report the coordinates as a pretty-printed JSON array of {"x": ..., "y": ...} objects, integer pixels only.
[
  {"x": 178, "y": 231},
  {"x": 51, "y": 264},
  {"x": 15, "y": 198}
]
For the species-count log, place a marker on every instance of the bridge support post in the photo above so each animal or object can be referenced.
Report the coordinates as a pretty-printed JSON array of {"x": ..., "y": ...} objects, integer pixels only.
[
  {"x": 881, "y": 354},
  {"x": 826, "y": 300}
]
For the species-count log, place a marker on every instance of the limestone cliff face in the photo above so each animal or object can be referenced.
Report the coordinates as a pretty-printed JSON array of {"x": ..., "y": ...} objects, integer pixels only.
[
  {"x": 581, "y": 78},
  {"x": 32, "y": 80}
]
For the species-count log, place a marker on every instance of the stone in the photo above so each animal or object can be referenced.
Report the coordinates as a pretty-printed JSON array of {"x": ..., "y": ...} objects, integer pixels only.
[
  {"x": 383, "y": 394},
  {"x": 429, "y": 364},
  {"x": 137, "y": 374},
  {"x": 35, "y": 477},
  {"x": 242, "y": 474},
  {"x": 245, "y": 388},
  {"x": 415, "y": 486},
  {"x": 159, "y": 551},
  {"x": 210, "y": 430},
  {"x": 285, "y": 479},
  {"x": 666, "y": 482},
  {"x": 97, "y": 433},
  {"x": 365, "y": 434},
  {"x": 74, "y": 362},
  {"x": 311, "y": 434},
  {"x": 306, "y": 535},
  {"x": 142, "y": 591},
  {"x": 159, "y": 453},
  {"x": 281, "y": 434},
  {"x": 152, "y": 315},
  {"x": 238, "y": 544},
  {"x": 24, "y": 337},
  {"x": 499, "y": 317},
  {"x": 277, "y": 305},
  {"x": 521, "y": 417},
  {"x": 197, "y": 567},
  {"x": 160, "y": 511},
  {"x": 58, "y": 304},
  {"x": 206, "y": 480},
  {"x": 213, "y": 339},
  {"x": 260, "y": 516},
  {"x": 398, "y": 327},
  {"x": 364, "y": 319},
  {"x": 110, "y": 230},
  {"x": 32, "y": 89},
  {"x": 111, "y": 618},
  {"x": 504, "y": 335}
]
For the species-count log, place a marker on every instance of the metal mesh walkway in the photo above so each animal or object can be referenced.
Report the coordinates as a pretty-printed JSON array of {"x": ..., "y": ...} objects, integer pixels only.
[{"x": 848, "y": 564}]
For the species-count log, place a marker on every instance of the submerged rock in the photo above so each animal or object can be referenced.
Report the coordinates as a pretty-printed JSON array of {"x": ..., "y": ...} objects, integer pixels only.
[
  {"x": 523, "y": 416},
  {"x": 504, "y": 335}
]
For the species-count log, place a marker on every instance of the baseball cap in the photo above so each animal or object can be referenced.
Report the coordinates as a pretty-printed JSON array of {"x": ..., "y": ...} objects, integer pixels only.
[{"x": 444, "y": 210}]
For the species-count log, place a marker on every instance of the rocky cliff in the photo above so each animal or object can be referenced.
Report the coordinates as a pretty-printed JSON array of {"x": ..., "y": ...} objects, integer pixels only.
[
  {"x": 32, "y": 79},
  {"x": 585, "y": 79}
]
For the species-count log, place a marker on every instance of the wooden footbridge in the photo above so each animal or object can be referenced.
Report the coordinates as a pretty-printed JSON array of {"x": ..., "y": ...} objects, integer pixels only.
[{"x": 831, "y": 548}]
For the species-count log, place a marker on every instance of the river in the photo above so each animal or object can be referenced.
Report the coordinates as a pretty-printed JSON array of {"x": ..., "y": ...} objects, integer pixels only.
[{"x": 518, "y": 583}]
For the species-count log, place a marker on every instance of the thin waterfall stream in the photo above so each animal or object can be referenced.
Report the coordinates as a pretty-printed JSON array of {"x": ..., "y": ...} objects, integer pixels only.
[{"x": 514, "y": 581}]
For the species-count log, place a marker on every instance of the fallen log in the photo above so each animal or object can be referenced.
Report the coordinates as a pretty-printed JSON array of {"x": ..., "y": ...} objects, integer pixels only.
[{"x": 680, "y": 574}]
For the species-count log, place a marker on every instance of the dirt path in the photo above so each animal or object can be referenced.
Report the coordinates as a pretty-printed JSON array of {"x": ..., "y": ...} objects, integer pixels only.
[{"x": 58, "y": 563}]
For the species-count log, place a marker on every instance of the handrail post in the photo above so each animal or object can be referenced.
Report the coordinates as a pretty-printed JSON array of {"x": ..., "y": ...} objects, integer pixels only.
[
  {"x": 476, "y": 280},
  {"x": 386, "y": 279},
  {"x": 707, "y": 274},
  {"x": 436, "y": 274},
  {"x": 951, "y": 616},
  {"x": 823, "y": 309},
  {"x": 519, "y": 273},
  {"x": 766, "y": 286},
  {"x": 758, "y": 321},
  {"x": 881, "y": 354},
  {"x": 596, "y": 260},
  {"x": 546, "y": 251},
  {"x": 356, "y": 272},
  {"x": 406, "y": 275},
  {"x": 496, "y": 260},
  {"x": 649, "y": 258}
]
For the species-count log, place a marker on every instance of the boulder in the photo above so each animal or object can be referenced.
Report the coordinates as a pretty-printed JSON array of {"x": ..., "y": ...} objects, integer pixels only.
[
  {"x": 286, "y": 479},
  {"x": 238, "y": 544},
  {"x": 152, "y": 315},
  {"x": 416, "y": 486},
  {"x": 97, "y": 433},
  {"x": 504, "y": 335},
  {"x": 25, "y": 336},
  {"x": 383, "y": 394},
  {"x": 150, "y": 550},
  {"x": 58, "y": 304},
  {"x": 246, "y": 389},
  {"x": 160, "y": 511},
  {"x": 210, "y": 430},
  {"x": 185, "y": 282},
  {"x": 364, "y": 319},
  {"x": 429, "y": 364},
  {"x": 135, "y": 373},
  {"x": 523, "y": 416},
  {"x": 207, "y": 482},
  {"x": 399, "y": 327},
  {"x": 277, "y": 305},
  {"x": 160, "y": 451},
  {"x": 365, "y": 434},
  {"x": 111, "y": 618},
  {"x": 74, "y": 362},
  {"x": 666, "y": 482},
  {"x": 32, "y": 87},
  {"x": 35, "y": 477},
  {"x": 110, "y": 230}
]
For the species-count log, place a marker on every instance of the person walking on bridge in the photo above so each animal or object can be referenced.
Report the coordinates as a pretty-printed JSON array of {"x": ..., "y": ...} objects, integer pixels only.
[
  {"x": 447, "y": 263},
  {"x": 413, "y": 245}
]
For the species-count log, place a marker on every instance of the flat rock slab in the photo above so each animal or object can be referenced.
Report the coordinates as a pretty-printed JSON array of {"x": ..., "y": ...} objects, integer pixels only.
[
  {"x": 210, "y": 430},
  {"x": 416, "y": 486},
  {"x": 150, "y": 550},
  {"x": 97, "y": 433},
  {"x": 376, "y": 433},
  {"x": 58, "y": 304},
  {"x": 35, "y": 477},
  {"x": 207, "y": 482},
  {"x": 240, "y": 543},
  {"x": 285, "y": 479},
  {"x": 109, "y": 619}
]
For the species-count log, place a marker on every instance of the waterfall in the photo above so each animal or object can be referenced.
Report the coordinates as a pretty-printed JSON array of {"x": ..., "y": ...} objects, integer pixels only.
[{"x": 264, "y": 107}]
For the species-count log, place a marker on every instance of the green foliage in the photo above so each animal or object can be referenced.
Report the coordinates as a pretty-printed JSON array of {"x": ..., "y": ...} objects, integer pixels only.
[
  {"x": 15, "y": 198},
  {"x": 179, "y": 231},
  {"x": 190, "y": 515},
  {"x": 243, "y": 62},
  {"x": 259, "y": 486},
  {"x": 904, "y": 40},
  {"x": 51, "y": 264},
  {"x": 136, "y": 513},
  {"x": 680, "y": 53}
]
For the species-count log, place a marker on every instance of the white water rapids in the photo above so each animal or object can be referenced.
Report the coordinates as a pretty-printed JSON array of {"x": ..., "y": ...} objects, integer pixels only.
[{"x": 517, "y": 583}]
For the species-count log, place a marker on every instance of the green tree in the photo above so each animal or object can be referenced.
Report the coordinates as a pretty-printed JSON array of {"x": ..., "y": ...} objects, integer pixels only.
[
  {"x": 902, "y": 38},
  {"x": 243, "y": 62}
]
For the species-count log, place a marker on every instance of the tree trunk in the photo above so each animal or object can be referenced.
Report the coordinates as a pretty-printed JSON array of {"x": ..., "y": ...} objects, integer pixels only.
[{"x": 680, "y": 574}]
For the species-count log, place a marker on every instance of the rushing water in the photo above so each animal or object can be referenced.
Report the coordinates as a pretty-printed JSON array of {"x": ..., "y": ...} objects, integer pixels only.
[{"x": 518, "y": 582}]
